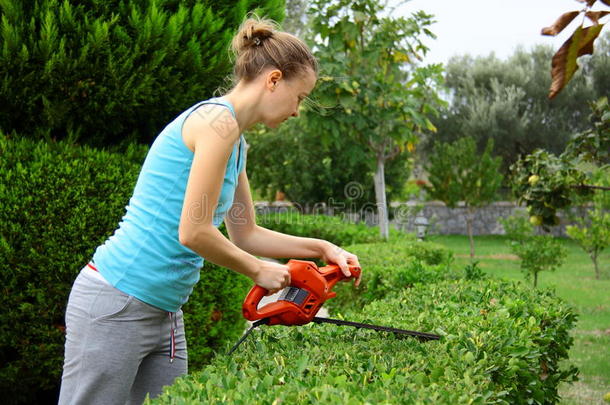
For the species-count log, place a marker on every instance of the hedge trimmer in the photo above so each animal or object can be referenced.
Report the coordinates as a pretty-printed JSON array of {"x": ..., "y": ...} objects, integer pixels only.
[{"x": 298, "y": 304}]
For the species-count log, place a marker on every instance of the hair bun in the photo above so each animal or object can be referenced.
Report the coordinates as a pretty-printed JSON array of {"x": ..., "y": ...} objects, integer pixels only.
[
  {"x": 260, "y": 43},
  {"x": 252, "y": 33}
]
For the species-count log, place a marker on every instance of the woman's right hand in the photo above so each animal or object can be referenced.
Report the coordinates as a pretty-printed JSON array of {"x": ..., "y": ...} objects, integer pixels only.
[{"x": 272, "y": 276}]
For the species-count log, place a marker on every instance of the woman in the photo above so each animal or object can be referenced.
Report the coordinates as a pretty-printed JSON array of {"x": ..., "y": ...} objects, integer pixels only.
[{"x": 125, "y": 331}]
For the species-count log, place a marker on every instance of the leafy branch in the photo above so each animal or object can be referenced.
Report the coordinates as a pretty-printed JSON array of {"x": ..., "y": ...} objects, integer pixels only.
[
  {"x": 580, "y": 43},
  {"x": 546, "y": 182}
]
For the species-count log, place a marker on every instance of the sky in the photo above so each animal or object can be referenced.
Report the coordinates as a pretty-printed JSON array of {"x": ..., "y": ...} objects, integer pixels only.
[{"x": 479, "y": 27}]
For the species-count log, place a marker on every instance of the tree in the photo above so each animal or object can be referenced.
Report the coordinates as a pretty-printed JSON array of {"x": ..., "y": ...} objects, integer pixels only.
[
  {"x": 458, "y": 172},
  {"x": 537, "y": 252},
  {"x": 294, "y": 159},
  {"x": 593, "y": 232},
  {"x": 567, "y": 178},
  {"x": 547, "y": 183},
  {"x": 597, "y": 66},
  {"x": 296, "y": 21},
  {"x": 507, "y": 100},
  {"x": 580, "y": 43},
  {"x": 371, "y": 87}
]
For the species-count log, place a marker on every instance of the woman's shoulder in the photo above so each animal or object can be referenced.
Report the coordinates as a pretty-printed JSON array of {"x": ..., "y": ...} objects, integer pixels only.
[{"x": 213, "y": 117}]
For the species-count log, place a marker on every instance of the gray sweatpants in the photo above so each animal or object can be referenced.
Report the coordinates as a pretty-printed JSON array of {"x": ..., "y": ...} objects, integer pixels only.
[{"x": 118, "y": 348}]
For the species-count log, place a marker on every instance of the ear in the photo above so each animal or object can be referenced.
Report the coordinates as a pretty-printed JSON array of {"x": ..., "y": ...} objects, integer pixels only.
[{"x": 273, "y": 78}]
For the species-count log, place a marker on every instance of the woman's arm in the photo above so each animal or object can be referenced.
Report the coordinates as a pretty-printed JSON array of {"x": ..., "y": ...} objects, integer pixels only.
[
  {"x": 246, "y": 234},
  {"x": 256, "y": 240},
  {"x": 196, "y": 231}
]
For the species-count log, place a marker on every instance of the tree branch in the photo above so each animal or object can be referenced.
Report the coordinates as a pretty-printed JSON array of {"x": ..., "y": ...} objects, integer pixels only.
[
  {"x": 591, "y": 186},
  {"x": 394, "y": 153}
]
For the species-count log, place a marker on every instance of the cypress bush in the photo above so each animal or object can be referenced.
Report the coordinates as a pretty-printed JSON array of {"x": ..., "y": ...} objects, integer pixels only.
[
  {"x": 108, "y": 72},
  {"x": 57, "y": 204}
]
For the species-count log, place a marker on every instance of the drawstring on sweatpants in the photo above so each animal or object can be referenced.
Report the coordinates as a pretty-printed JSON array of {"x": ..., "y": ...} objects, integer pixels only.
[
  {"x": 173, "y": 326},
  {"x": 172, "y": 338}
]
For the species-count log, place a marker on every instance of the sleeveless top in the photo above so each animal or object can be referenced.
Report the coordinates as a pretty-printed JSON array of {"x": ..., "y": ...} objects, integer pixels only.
[{"x": 144, "y": 256}]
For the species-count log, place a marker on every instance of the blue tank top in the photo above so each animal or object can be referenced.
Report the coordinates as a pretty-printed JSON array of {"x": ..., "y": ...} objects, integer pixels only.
[{"x": 144, "y": 256}]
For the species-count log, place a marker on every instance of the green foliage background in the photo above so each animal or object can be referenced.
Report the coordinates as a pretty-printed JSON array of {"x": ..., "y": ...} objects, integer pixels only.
[
  {"x": 57, "y": 204},
  {"x": 506, "y": 100},
  {"x": 295, "y": 159},
  {"x": 111, "y": 72}
]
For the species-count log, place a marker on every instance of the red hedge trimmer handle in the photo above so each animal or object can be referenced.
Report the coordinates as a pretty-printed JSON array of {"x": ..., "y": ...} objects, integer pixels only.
[{"x": 309, "y": 287}]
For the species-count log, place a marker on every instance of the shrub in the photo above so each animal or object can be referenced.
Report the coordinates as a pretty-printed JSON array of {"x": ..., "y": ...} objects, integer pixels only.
[
  {"x": 501, "y": 343},
  {"x": 537, "y": 252},
  {"x": 212, "y": 314},
  {"x": 330, "y": 228},
  {"x": 392, "y": 266},
  {"x": 103, "y": 71},
  {"x": 57, "y": 204}
]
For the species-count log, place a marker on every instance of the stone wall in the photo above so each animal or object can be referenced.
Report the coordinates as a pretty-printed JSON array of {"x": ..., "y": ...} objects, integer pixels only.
[{"x": 443, "y": 220}]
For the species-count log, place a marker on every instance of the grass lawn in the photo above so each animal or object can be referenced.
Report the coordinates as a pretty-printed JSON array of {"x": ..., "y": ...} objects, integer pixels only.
[{"x": 575, "y": 282}]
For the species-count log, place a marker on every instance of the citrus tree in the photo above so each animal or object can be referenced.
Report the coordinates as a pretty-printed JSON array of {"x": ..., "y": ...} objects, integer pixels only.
[
  {"x": 546, "y": 182},
  {"x": 371, "y": 88},
  {"x": 592, "y": 233},
  {"x": 537, "y": 252},
  {"x": 457, "y": 172}
]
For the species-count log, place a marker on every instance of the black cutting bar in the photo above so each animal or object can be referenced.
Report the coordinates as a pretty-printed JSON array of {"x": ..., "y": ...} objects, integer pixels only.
[
  {"x": 260, "y": 322},
  {"x": 419, "y": 335},
  {"x": 422, "y": 336}
]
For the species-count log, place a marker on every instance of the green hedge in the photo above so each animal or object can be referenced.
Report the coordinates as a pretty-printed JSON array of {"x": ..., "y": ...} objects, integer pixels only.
[
  {"x": 391, "y": 267},
  {"x": 329, "y": 228},
  {"x": 57, "y": 204},
  {"x": 106, "y": 71},
  {"x": 501, "y": 343}
]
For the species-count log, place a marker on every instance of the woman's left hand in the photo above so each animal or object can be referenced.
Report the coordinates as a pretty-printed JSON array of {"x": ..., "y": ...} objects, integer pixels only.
[{"x": 341, "y": 257}]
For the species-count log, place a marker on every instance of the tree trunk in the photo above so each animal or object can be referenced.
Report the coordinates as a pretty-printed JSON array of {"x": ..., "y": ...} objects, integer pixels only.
[
  {"x": 382, "y": 209},
  {"x": 469, "y": 220},
  {"x": 535, "y": 279},
  {"x": 594, "y": 258}
]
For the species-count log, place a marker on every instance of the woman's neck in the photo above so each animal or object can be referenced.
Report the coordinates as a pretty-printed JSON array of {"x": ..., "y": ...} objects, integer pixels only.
[{"x": 245, "y": 100}]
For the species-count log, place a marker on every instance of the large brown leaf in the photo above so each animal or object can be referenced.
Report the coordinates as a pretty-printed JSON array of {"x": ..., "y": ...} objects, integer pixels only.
[
  {"x": 589, "y": 2},
  {"x": 606, "y": 2},
  {"x": 564, "y": 62},
  {"x": 560, "y": 24},
  {"x": 596, "y": 15}
]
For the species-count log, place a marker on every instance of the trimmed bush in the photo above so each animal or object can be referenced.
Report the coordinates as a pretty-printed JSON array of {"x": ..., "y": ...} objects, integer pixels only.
[
  {"x": 57, "y": 204},
  {"x": 501, "y": 343},
  {"x": 391, "y": 267},
  {"x": 106, "y": 71},
  {"x": 332, "y": 229}
]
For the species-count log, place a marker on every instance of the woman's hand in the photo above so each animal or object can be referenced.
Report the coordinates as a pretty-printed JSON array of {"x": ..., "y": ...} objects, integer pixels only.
[
  {"x": 334, "y": 254},
  {"x": 272, "y": 276}
]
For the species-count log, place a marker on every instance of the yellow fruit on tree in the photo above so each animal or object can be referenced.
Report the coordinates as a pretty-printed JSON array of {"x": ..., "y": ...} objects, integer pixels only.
[
  {"x": 533, "y": 179},
  {"x": 536, "y": 220}
]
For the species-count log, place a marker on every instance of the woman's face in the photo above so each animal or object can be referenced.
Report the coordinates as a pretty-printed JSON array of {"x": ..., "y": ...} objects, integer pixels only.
[{"x": 285, "y": 96}]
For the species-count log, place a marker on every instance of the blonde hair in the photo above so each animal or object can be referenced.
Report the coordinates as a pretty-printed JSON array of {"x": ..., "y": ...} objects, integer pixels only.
[{"x": 259, "y": 44}]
